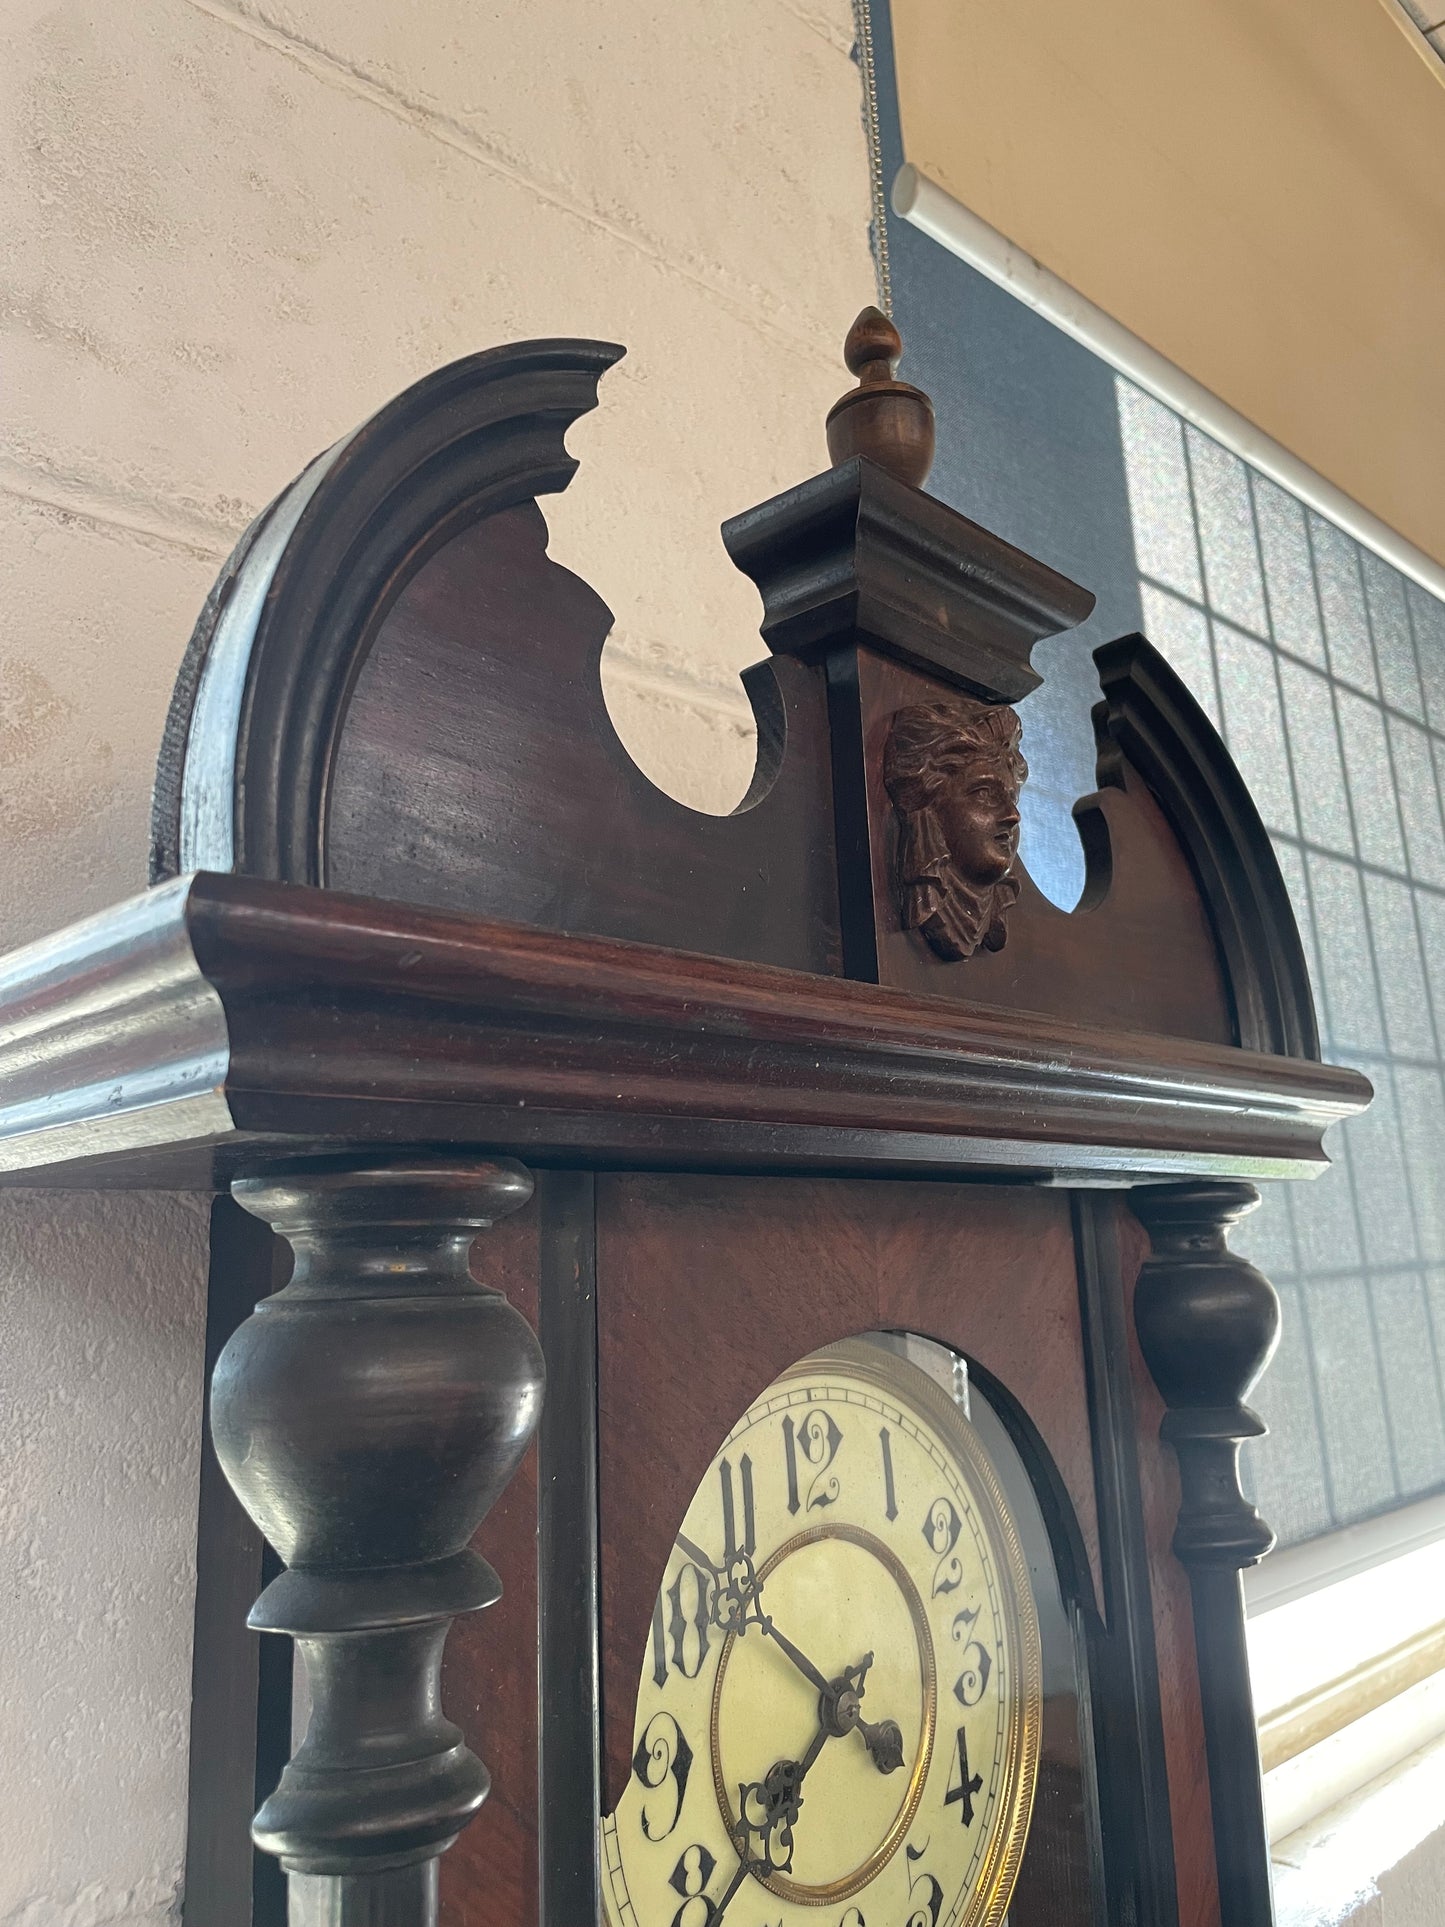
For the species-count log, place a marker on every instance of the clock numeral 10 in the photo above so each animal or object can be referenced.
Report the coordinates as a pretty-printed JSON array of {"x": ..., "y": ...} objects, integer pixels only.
[
  {"x": 962, "y": 1786},
  {"x": 682, "y": 1615}
]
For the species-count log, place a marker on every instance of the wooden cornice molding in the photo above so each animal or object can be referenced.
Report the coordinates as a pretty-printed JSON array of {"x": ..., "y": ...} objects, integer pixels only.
[{"x": 220, "y": 1019}]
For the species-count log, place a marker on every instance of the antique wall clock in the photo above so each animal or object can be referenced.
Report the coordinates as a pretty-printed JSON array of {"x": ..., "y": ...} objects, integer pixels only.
[
  {"x": 847, "y": 1603},
  {"x": 854, "y": 1219}
]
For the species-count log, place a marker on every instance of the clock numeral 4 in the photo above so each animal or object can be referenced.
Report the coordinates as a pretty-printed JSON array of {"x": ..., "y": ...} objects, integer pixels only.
[
  {"x": 961, "y": 1784},
  {"x": 815, "y": 1442}
]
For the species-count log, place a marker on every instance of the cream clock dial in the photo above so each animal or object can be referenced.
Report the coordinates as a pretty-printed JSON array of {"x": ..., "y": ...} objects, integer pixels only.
[{"x": 840, "y": 1703}]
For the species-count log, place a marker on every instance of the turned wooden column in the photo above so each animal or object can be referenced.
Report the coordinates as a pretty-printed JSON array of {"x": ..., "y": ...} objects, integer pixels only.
[
  {"x": 368, "y": 1416},
  {"x": 1207, "y": 1323}
]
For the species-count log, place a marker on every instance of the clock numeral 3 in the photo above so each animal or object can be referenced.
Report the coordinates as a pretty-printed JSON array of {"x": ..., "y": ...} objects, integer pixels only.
[
  {"x": 962, "y": 1786},
  {"x": 972, "y": 1683},
  {"x": 662, "y": 1762},
  {"x": 941, "y": 1529},
  {"x": 816, "y": 1443}
]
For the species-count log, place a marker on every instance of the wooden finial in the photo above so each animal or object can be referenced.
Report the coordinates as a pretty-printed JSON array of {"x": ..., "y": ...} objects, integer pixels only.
[{"x": 882, "y": 419}]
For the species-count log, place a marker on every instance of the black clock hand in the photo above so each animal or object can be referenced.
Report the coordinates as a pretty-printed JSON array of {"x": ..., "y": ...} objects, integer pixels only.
[
  {"x": 736, "y": 1588},
  {"x": 801, "y": 1660},
  {"x": 841, "y": 1709}
]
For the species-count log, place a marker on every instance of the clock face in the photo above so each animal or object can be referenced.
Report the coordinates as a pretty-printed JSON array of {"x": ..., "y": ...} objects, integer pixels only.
[{"x": 840, "y": 1702}]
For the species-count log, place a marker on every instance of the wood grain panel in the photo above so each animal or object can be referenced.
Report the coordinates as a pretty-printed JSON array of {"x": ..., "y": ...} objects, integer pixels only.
[{"x": 707, "y": 1288}]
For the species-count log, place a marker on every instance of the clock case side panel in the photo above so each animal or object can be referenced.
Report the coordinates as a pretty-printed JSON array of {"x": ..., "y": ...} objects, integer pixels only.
[{"x": 703, "y": 1297}]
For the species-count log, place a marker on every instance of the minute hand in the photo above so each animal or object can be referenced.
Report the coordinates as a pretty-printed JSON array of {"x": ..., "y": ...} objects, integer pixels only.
[{"x": 800, "y": 1659}]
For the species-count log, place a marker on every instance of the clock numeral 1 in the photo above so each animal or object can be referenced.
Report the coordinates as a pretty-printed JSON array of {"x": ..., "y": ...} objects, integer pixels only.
[
  {"x": 961, "y": 1786},
  {"x": 890, "y": 1509},
  {"x": 749, "y": 1543}
]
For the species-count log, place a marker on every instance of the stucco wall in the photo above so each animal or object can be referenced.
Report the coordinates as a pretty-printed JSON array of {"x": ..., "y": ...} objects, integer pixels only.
[{"x": 231, "y": 232}]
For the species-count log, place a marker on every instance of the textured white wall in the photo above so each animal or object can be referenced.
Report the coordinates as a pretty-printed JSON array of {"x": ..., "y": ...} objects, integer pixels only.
[{"x": 231, "y": 232}]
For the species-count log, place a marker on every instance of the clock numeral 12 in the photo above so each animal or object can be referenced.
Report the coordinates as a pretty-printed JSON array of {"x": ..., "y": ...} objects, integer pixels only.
[
  {"x": 816, "y": 1440},
  {"x": 961, "y": 1786}
]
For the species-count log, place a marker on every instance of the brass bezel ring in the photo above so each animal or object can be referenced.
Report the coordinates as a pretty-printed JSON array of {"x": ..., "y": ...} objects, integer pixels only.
[
  {"x": 909, "y": 1384},
  {"x": 861, "y": 1876}
]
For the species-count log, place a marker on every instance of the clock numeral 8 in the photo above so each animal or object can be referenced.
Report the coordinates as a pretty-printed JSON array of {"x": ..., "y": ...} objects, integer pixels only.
[{"x": 693, "y": 1871}]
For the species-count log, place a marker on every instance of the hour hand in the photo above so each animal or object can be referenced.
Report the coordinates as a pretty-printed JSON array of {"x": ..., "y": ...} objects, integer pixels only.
[{"x": 884, "y": 1741}]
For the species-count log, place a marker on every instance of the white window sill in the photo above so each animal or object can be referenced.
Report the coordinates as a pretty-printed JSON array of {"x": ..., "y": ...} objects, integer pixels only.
[{"x": 1377, "y": 1859}]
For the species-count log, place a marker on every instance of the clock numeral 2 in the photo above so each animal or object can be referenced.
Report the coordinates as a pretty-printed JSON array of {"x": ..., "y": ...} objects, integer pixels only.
[
  {"x": 961, "y": 1786},
  {"x": 941, "y": 1529},
  {"x": 816, "y": 1442}
]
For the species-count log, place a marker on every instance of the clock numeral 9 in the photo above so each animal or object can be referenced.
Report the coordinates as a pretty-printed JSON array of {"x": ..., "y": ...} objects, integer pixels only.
[
  {"x": 941, "y": 1529},
  {"x": 961, "y": 1785},
  {"x": 972, "y": 1683},
  {"x": 662, "y": 1762},
  {"x": 816, "y": 1442}
]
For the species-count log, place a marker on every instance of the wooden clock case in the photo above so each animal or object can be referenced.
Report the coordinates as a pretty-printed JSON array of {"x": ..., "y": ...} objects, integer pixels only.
[{"x": 421, "y": 940}]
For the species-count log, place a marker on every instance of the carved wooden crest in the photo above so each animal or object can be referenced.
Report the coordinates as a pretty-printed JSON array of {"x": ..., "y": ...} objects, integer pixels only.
[{"x": 953, "y": 771}]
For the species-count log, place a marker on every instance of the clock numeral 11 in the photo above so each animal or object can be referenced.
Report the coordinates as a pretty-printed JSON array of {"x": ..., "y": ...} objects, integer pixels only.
[{"x": 749, "y": 1542}]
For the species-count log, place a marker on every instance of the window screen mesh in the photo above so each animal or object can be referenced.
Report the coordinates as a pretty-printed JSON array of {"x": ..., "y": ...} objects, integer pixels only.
[{"x": 1324, "y": 670}]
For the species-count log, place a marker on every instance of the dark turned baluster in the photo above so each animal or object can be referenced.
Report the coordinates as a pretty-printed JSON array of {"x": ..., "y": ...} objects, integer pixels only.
[
  {"x": 368, "y": 1416},
  {"x": 1207, "y": 1324}
]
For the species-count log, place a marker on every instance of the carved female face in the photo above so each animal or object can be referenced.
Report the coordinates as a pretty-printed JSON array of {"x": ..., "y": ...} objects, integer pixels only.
[
  {"x": 978, "y": 813},
  {"x": 953, "y": 770}
]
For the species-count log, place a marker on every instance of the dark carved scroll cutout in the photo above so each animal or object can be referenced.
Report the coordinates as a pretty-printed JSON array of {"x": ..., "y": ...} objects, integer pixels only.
[{"x": 1150, "y": 717}]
